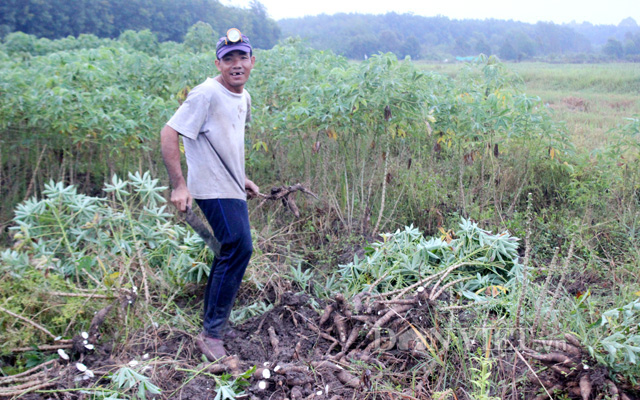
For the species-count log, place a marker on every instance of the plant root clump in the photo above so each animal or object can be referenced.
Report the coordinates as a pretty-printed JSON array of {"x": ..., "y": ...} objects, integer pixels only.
[
  {"x": 341, "y": 352},
  {"x": 299, "y": 353},
  {"x": 572, "y": 370}
]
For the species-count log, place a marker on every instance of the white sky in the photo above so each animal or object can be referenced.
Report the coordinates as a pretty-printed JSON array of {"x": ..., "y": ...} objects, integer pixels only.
[{"x": 558, "y": 11}]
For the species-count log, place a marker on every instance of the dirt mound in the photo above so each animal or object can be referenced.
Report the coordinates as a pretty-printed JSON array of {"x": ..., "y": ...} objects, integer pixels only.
[
  {"x": 576, "y": 103},
  {"x": 372, "y": 346},
  {"x": 282, "y": 341}
]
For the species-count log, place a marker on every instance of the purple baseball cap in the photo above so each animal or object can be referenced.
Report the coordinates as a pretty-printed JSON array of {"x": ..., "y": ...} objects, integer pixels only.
[{"x": 225, "y": 45}]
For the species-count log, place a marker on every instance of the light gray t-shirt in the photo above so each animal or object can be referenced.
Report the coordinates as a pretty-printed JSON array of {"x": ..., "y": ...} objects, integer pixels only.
[{"x": 212, "y": 112}]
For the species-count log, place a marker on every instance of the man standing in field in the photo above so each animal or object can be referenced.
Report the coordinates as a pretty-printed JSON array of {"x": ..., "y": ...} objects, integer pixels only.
[{"x": 211, "y": 122}]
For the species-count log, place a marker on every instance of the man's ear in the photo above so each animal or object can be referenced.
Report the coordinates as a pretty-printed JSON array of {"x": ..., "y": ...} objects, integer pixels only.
[
  {"x": 253, "y": 61},
  {"x": 218, "y": 65}
]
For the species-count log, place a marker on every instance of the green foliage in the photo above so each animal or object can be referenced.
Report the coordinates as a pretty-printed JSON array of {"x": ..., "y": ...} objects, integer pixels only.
[
  {"x": 19, "y": 42},
  {"x": 229, "y": 387},
  {"x": 384, "y": 144},
  {"x": 168, "y": 20},
  {"x": 320, "y": 107},
  {"x": 145, "y": 40},
  {"x": 25, "y": 289},
  {"x": 613, "y": 48},
  {"x": 481, "y": 377},
  {"x": 200, "y": 37},
  {"x": 619, "y": 345},
  {"x": 405, "y": 257},
  {"x": 75, "y": 234},
  {"x": 240, "y": 314},
  {"x": 300, "y": 277},
  {"x": 127, "y": 378},
  {"x": 88, "y": 113}
]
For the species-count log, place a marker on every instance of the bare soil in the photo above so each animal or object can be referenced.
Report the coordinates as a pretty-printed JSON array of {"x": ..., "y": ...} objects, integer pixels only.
[{"x": 309, "y": 356}]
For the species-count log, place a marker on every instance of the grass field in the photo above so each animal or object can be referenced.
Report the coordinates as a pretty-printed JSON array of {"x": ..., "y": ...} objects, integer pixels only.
[{"x": 591, "y": 98}]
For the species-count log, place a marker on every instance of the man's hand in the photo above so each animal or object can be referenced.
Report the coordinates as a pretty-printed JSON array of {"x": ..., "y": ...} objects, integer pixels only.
[
  {"x": 251, "y": 188},
  {"x": 169, "y": 140},
  {"x": 181, "y": 198}
]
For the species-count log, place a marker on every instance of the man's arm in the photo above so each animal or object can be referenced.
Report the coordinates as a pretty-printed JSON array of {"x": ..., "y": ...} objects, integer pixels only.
[{"x": 169, "y": 143}]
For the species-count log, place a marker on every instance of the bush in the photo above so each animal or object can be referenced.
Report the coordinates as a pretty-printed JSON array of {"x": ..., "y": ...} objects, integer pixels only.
[
  {"x": 145, "y": 41},
  {"x": 18, "y": 42},
  {"x": 200, "y": 37}
]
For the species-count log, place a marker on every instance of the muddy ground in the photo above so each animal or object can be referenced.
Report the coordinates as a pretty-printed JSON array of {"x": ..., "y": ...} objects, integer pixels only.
[{"x": 308, "y": 355}]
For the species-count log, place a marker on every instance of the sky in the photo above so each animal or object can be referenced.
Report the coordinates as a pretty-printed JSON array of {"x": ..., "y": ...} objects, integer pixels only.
[{"x": 602, "y": 12}]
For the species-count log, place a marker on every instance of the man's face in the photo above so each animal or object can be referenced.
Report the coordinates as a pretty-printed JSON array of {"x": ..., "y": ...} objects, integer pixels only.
[{"x": 235, "y": 68}]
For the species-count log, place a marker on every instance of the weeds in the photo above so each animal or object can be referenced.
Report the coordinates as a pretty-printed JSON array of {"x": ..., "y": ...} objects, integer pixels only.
[
  {"x": 480, "y": 378},
  {"x": 127, "y": 378},
  {"x": 619, "y": 350}
]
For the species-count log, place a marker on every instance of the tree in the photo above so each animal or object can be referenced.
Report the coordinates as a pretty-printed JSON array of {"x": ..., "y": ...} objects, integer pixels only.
[
  {"x": 525, "y": 47},
  {"x": 631, "y": 44},
  {"x": 507, "y": 51},
  {"x": 462, "y": 47},
  {"x": 167, "y": 19},
  {"x": 411, "y": 47},
  {"x": 200, "y": 37},
  {"x": 361, "y": 46},
  {"x": 263, "y": 31},
  {"x": 388, "y": 41},
  {"x": 18, "y": 42},
  {"x": 144, "y": 40},
  {"x": 481, "y": 47},
  {"x": 613, "y": 48}
]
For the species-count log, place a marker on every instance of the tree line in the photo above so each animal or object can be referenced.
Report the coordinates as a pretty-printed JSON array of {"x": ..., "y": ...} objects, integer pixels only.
[
  {"x": 353, "y": 35},
  {"x": 437, "y": 38},
  {"x": 168, "y": 19}
]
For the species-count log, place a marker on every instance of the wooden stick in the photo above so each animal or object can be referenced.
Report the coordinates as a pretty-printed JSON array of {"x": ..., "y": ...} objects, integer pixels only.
[
  {"x": 525, "y": 262},
  {"x": 545, "y": 290},
  {"x": 35, "y": 172},
  {"x": 278, "y": 193},
  {"x": 451, "y": 308},
  {"x": 21, "y": 387},
  {"x": 448, "y": 285},
  {"x": 402, "y": 291},
  {"x": 444, "y": 275},
  {"x": 8, "y": 379},
  {"x": 323, "y": 335},
  {"x": 412, "y": 300},
  {"x": 13, "y": 393},
  {"x": 384, "y": 190},
  {"x": 563, "y": 275},
  {"x": 97, "y": 296},
  {"x": 13, "y": 379},
  {"x": 374, "y": 284},
  {"x": 46, "y": 347},
  {"x": 27, "y": 320},
  {"x": 387, "y": 317}
]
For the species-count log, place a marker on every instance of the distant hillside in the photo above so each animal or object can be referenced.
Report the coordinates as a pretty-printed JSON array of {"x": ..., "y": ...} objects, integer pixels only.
[
  {"x": 437, "y": 38},
  {"x": 599, "y": 34}
]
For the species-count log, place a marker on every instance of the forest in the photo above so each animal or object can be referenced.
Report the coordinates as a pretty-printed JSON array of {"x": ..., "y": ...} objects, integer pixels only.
[
  {"x": 355, "y": 36},
  {"x": 167, "y": 19},
  {"x": 440, "y": 38}
]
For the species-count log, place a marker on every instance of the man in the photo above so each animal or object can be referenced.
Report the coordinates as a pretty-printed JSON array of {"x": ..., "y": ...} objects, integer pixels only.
[{"x": 211, "y": 122}]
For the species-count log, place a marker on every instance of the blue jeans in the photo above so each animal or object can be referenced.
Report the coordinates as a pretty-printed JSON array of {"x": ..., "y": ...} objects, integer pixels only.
[{"x": 229, "y": 219}]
